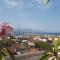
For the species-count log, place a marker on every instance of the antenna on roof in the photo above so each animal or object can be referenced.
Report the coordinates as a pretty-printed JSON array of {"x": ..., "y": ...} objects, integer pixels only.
[{"x": 19, "y": 29}]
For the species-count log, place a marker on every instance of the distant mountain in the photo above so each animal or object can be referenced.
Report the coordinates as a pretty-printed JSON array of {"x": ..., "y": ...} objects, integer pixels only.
[
  {"x": 24, "y": 31},
  {"x": 30, "y": 31}
]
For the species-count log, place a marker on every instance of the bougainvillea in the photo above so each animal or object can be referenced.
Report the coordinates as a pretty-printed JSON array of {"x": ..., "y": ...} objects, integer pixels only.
[{"x": 5, "y": 28}]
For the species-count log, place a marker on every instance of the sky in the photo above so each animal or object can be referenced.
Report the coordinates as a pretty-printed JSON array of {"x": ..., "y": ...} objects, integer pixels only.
[{"x": 31, "y": 14}]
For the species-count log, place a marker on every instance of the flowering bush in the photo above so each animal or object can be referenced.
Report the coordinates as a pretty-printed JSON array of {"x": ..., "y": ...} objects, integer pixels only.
[{"x": 5, "y": 28}]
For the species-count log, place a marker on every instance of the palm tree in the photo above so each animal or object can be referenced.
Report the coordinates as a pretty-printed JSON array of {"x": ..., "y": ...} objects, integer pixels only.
[{"x": 52, "y": 53}]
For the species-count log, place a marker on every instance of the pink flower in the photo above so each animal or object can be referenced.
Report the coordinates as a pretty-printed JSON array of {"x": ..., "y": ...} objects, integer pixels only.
[{"x": 5, "y": 28}]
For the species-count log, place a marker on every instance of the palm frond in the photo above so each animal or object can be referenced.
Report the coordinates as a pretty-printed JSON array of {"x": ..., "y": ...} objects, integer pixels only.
[
  {"x": 2, "y": 57},
  {"x": 1, "y": 44},
  {"x": 8, "y": 52},
  {"x": 45, "y": 56},
  {"x": 56, "y": 44},
  {"x": 4, "y": 51},
  {"x": 46, "y": 2}
]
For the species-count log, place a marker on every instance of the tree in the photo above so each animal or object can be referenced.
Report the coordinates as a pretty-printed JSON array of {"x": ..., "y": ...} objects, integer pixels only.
[{"x": 52, "y": 52}]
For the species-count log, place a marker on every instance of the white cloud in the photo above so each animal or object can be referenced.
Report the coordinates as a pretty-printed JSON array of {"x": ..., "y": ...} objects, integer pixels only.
[
  {"x": 13, "y": 3},
  {"x": 39, "y": 1},
  {"x": 20, "y": 4},
  {"x": 10, "y": 3},
  {"x": 29, "y": 4}
]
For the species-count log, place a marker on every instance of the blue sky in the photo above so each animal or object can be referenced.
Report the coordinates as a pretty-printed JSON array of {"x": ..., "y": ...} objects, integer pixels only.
[{"x": 31, "y": 14}]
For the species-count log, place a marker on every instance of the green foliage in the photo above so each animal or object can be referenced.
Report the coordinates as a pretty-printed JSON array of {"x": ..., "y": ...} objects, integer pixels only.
[
  {"x": 45, "y": 56},
  {"x": 43, "y": 45},
  {"x": 52, "y": 51},
  {"x": 5, "y": 51},
  {"x": 10, "y": 53},
  {"x": 56, "y": 44},
  {"x": 2, "y": 57}
]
